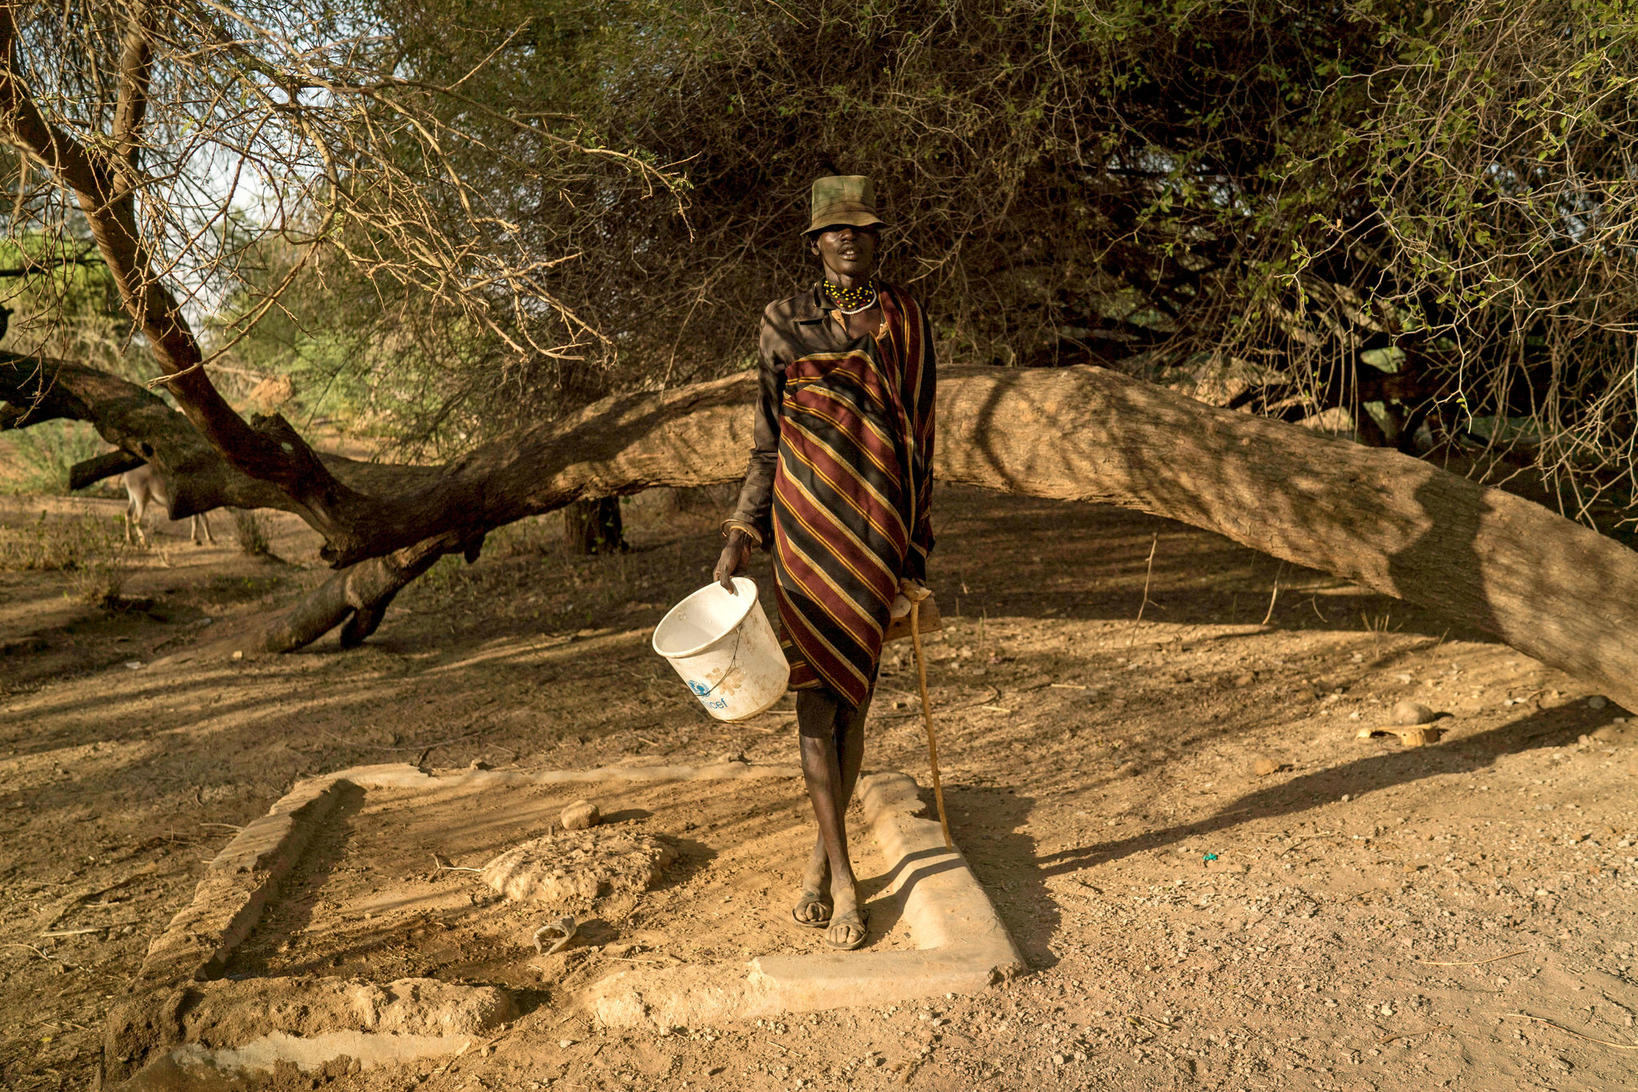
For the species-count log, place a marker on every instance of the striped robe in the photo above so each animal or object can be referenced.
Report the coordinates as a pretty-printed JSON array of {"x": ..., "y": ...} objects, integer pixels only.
[{"x": 851, "y": 490}]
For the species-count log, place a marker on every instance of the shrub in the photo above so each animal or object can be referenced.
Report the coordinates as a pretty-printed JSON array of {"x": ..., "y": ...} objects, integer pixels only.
[
  {"x": 45, "y": 453},
  {"x": 63, "y": 545},
  {"x": 99, "y": 583},
  {"x": 252, "y": 534}
]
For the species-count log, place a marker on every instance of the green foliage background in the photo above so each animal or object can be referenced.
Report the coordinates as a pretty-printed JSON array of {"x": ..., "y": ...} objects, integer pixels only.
[{"x": 1420, "y": 214}]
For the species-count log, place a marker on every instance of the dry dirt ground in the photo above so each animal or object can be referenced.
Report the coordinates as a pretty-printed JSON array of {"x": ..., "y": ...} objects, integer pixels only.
[{"x": 1214, "y": 883}]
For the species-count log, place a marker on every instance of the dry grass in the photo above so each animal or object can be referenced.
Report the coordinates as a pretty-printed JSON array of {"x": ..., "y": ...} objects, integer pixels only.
[
  {"x": 61, "y": 545},
  {"x": 251, "y": 533}
]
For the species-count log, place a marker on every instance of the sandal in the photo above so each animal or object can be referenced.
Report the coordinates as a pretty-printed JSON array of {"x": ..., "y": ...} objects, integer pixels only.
[
  {"x": 851, "y": 920},
  {"x": 802, "y": 912}
]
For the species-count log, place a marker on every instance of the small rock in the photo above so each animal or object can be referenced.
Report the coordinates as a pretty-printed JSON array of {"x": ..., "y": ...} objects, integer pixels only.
[
  {"x": 581, "y": 815},
  {"x": 565, "y": 1044},
  {"x": 1263, "y": 766},
  {"x": 238, "y": 654},
  {"x": 1410, "y": 712},
  {"x": 1597, "y": 701}
]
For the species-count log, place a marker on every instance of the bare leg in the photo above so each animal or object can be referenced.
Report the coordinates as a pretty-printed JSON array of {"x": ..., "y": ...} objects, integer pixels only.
[
  {"x": 813, "y": 906},
  {"x": 832, "y": 752}
]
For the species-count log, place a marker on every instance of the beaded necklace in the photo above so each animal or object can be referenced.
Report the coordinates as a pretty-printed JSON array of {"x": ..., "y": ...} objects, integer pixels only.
[{"x": 852, "y": 300}]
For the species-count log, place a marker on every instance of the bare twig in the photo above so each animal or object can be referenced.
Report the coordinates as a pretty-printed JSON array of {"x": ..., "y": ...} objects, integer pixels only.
[
  {"x": 1386, "y": 1039},
  {"x": 83, "y": 932},
  {"x": 1148, "y": 571},
  {"x": 441, "y": 864},
  {"x": 1273, "y": 595},
  {"x": 1470, "y": 962},
  {"x": 1571, "y": 1031},
  {"x": 62, "y": 964}
]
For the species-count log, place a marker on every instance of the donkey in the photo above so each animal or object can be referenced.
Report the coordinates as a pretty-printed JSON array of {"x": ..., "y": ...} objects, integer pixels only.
[{"x": 143, "y": 486}]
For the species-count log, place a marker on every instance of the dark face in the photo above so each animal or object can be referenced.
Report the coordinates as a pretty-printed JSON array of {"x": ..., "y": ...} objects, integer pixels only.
[{"x": 849, "y": 253}]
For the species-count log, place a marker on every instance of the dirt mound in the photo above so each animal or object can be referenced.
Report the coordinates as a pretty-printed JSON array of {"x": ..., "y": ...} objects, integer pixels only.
[
  {"x": 578, "y": 866},
  {"x": 296, "y": 1018}
]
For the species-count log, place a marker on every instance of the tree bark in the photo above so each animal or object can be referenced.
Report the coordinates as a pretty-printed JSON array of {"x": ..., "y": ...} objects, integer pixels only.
[
  {"x": 354, "y": 598},
  {"x": 95, "y": 469},
  {"x": 1550, "y": 588},
  {"x": 595, "y": 527}
]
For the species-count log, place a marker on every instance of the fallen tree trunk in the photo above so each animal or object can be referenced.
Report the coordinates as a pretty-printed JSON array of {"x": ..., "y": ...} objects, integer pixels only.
[
  {"x": 355, "y": 598},
  {"x": 1547, "y": 586},
  {"x": 1551, "y": 588}
]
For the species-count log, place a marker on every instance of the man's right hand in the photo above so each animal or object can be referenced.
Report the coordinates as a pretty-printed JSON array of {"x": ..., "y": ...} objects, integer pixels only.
[{"x": 734, "y": 557}]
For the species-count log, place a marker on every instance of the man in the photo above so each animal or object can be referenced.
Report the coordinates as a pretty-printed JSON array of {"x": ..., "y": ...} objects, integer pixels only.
[{"x": 838, "y": 488}]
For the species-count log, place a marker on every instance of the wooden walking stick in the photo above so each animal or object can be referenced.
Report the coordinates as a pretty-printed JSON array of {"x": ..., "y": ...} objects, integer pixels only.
[{"x": 927, "y": 717}]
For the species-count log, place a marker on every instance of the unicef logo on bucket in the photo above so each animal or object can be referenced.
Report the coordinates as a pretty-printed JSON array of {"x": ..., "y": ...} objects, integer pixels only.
[{"x": 703, "y": 692}]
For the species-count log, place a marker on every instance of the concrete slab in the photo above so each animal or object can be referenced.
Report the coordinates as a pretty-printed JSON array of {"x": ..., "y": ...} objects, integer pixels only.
[{"x": 960, "y": 945}]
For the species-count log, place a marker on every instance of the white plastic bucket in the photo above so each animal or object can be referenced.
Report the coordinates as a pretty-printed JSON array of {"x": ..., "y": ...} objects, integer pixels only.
[{"x": 722, "y": 645}]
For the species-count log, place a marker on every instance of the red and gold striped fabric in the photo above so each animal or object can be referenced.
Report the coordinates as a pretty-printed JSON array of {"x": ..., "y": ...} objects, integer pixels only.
[{"x": 850, "y": 496}]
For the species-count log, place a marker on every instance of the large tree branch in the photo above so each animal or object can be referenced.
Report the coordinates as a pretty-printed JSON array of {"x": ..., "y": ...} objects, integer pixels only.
[
  {"x": 90, "y": 471},
  {"x": 1549, "y": 587},
  {"x": 139, "y": 423},
  {"x": 135, "y": 73},
  {"x": 105, "y": 189},
  {"x": 357, "y": 523},
  {"x": 21, "y": 417}
]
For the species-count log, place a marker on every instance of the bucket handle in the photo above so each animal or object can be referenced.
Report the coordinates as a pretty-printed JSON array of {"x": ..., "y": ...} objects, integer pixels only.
[{"x": 739, "y": 634}]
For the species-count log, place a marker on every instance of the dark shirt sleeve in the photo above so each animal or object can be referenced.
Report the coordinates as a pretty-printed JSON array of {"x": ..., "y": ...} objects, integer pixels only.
[{"x": 755, "y": 505}]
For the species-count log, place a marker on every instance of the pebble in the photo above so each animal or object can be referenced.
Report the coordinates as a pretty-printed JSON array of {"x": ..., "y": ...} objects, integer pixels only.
[
  {"x": 1597, "y": 701},
  {"x": 1263, "y": 766},
  {"x": 1410, "y": 712},
  {"x": 581, "y": 815}
]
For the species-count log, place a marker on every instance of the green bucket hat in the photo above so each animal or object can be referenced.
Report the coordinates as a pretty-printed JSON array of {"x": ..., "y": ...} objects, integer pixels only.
[{"x": 843, "y": 199}]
